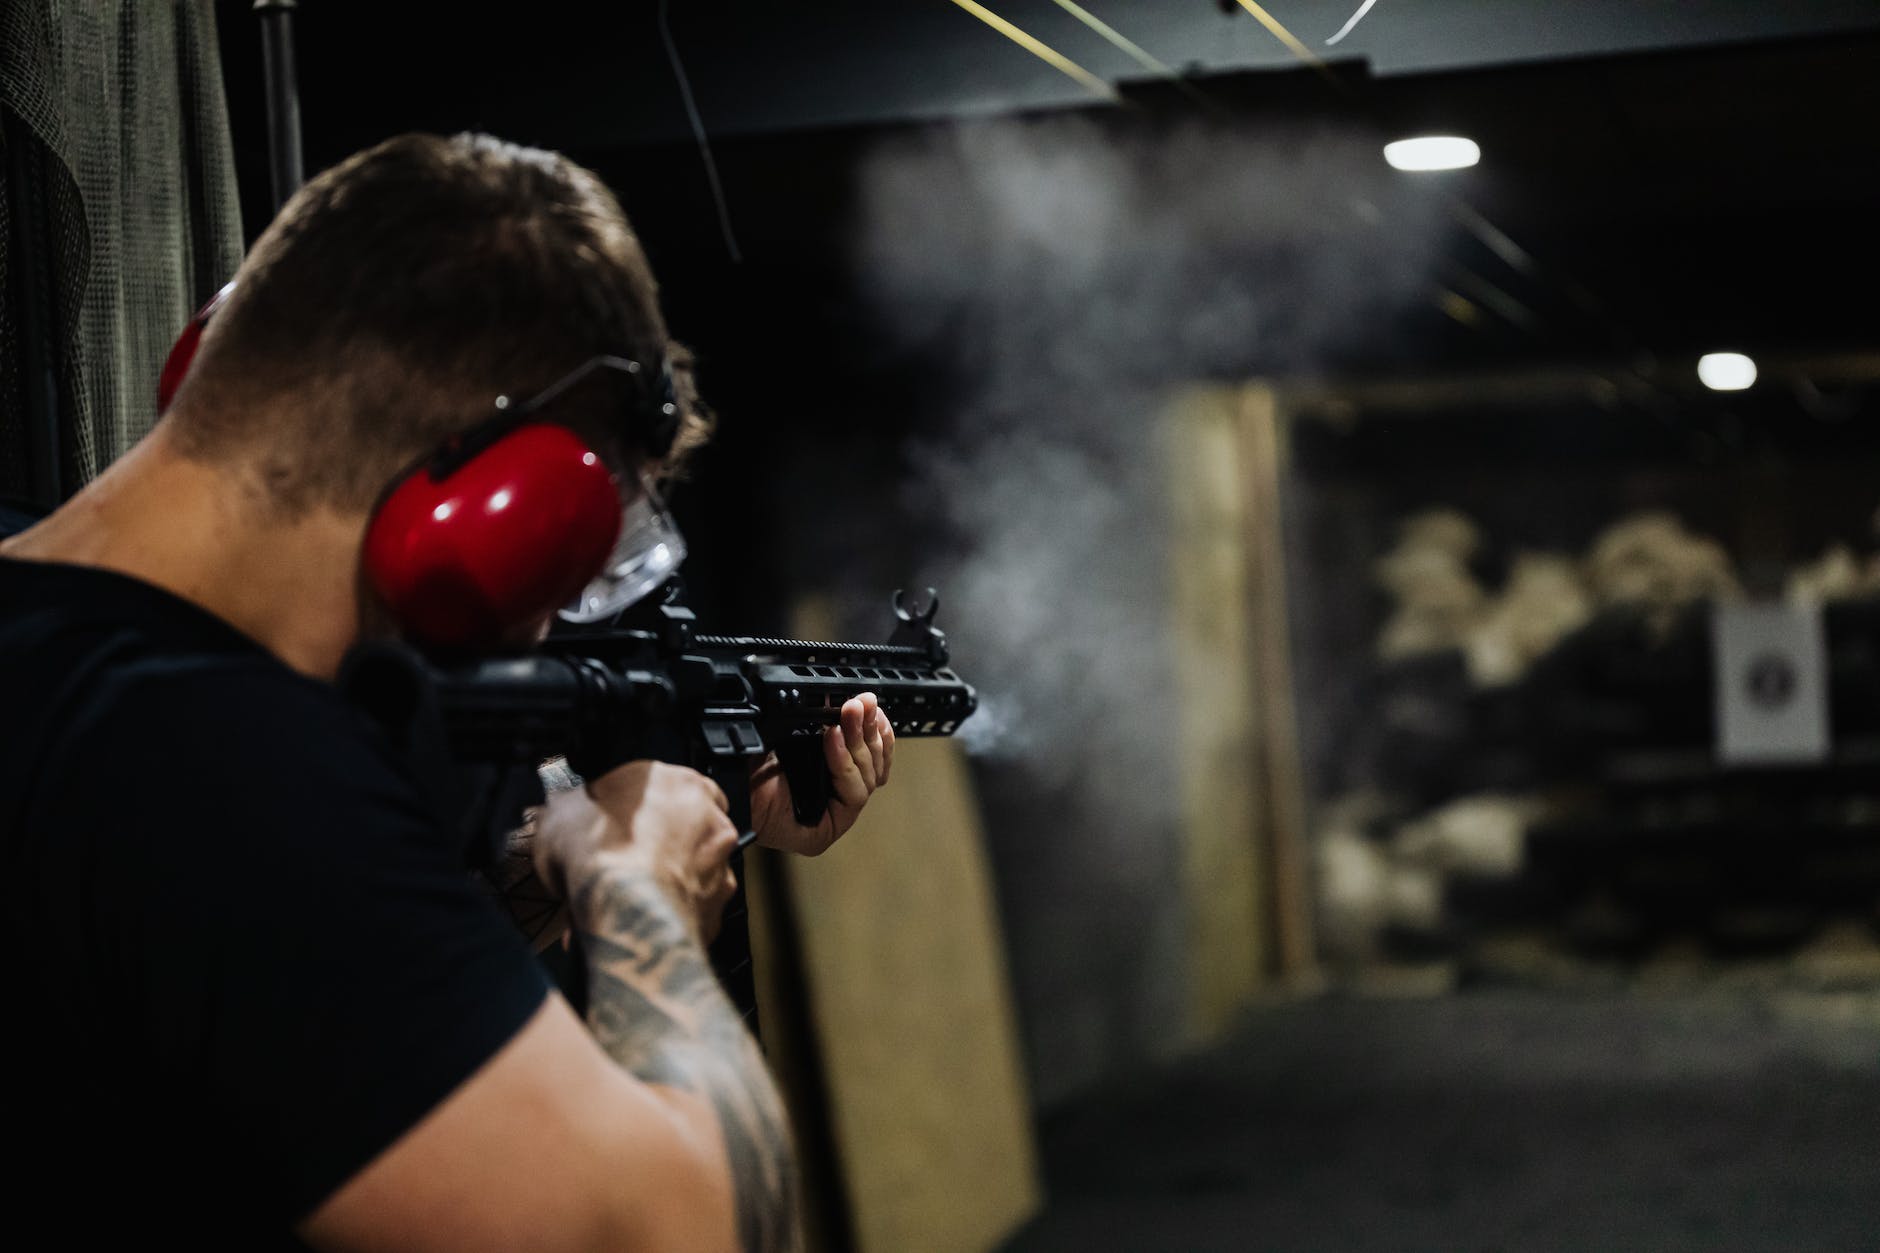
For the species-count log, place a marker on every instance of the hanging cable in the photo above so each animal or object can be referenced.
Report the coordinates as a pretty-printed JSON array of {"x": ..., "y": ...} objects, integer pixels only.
[
  {"x": 1286, "y": 37},
  {"x": 1352, "y": 25},
  {"x": 1133, "y": 50},
  {"x": 1043, "y": 51},
  {"x": 1129, "y": 47},
  {"x": 698, "y": 132}
]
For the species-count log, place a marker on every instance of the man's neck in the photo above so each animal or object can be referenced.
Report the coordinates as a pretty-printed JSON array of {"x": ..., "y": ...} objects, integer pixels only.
[{"x": 205, "y": 533}]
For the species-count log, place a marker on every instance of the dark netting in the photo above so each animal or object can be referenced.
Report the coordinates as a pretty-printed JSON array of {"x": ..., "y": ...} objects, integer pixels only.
[{"x": 120, "y": 216}]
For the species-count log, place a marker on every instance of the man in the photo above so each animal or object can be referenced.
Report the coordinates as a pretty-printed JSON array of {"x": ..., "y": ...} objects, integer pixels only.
[{"x": 257, "y": 1000}]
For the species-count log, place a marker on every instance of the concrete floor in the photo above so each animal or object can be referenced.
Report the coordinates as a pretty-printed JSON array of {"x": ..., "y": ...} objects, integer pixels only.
[{"x": 1488, "y": 1122}]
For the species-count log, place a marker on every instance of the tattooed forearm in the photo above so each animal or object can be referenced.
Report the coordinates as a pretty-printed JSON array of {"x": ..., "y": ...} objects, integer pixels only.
[{"x": 655, "y": 1007}]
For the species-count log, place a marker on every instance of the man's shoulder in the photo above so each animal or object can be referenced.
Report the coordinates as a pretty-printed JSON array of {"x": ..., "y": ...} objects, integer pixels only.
[
  {"x": 109, "y": 678},
  {"x": 59, "y": 620},
  {"x": 231, "y": 722},
  {"x": 83, "y": 646},
  {"x": 180, "y": 700}
]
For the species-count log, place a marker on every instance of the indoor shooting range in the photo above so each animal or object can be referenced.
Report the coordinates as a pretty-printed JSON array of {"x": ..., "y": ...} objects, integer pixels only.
[{"x": 1139, "y": 626}]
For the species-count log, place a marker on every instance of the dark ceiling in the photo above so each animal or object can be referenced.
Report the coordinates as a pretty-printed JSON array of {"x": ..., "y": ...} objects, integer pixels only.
[
  {"x": 1715, "y": 189},
  {"x": 1677, "y": 201},
  {"x": 593, "y": 76}
]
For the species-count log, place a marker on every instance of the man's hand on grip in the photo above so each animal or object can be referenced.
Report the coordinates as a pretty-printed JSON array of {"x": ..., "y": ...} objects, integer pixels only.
[
  {"x": 860, "y": 754},
  {"x": 647, "y": 819}
]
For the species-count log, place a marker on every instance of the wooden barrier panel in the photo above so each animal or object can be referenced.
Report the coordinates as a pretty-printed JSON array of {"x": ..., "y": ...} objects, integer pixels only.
[
  {"x": 1282, "y": 776},
  {"x": 911, "y": 1051},
  {"x": 1214, "y": 649}
]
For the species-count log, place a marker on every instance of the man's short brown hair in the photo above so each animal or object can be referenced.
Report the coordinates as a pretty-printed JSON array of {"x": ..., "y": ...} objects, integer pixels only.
[{"x": 400, "y": 292}]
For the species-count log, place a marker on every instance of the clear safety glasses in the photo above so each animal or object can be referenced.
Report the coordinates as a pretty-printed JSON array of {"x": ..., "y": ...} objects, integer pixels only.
[{"x": 649, "y": 549}]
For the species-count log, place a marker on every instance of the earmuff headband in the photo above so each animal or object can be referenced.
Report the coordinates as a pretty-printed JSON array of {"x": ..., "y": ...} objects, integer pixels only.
[{"x": 661, "y": 429}]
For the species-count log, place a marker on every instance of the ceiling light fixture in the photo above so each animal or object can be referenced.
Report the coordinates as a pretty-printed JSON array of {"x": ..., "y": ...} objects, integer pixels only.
[
  {"x": 1726, "y": 371},
  {"x": 1433, "y": 152}
]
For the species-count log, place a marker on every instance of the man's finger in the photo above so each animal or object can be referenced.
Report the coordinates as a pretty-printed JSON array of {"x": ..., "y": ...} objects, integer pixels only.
[
  {"x": 887, "y": 748},
  {"x": 845, "y": 777},
  {"x": 855, "y": 733},
  {"x": 871, "y": 737},
  {"x": 722, "y": 841}
]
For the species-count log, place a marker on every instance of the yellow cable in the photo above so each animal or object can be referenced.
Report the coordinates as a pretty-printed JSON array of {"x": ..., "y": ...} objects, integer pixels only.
[
  {"x": 1293, "y": 45},
  {"x": 1281, "y": 33},
  {"x": 1116, "y": 37},
  {"x": 1041, "y": 50}
]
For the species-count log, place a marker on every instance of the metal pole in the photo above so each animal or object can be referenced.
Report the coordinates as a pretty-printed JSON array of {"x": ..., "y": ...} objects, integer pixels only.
[{"x": 286, "y": 166}]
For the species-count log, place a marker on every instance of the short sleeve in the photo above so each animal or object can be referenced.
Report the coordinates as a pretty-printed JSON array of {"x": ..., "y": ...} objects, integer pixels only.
[{"x": 275, "y": 922}]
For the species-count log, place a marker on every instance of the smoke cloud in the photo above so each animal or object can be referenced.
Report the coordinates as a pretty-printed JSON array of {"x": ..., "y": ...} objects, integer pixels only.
[{"x": 1065, "y": 275}]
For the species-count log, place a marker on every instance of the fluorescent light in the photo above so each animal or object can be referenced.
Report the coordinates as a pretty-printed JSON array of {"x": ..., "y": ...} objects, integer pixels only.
[
  {"x": 1433, "y": 152},
  {"x": 1726, "y": 371}
]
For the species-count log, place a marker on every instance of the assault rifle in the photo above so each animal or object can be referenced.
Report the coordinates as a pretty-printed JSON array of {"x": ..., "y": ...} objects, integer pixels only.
[{"x": 651, "y": 686}]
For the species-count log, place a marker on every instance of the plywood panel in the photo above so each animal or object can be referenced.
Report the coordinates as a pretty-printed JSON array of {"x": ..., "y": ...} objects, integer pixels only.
[
  {"x": 1226, "y": 896},
  {"x": 1282, "y": 779},
  {"x": 904, "y": 971}
]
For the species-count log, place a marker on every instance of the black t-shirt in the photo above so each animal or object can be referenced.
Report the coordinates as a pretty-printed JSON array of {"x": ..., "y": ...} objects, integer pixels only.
[{"x": 245, "y": 956}]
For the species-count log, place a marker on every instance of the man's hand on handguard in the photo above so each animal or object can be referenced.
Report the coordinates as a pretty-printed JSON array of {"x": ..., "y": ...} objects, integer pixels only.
[
  {"x": 647, "y": 820},
  {"x": 860, "y": 754}
]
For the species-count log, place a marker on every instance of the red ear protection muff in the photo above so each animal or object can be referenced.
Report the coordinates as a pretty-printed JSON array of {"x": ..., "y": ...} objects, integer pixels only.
[
  {"x": 183, "y": 351},
  {"x": 476, "y": 545},
  {"x": 468, "y": 551}
]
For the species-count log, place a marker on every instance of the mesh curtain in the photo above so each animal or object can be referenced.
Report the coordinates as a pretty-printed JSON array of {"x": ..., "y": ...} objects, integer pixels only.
[{"x": 120, "y": 218}]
